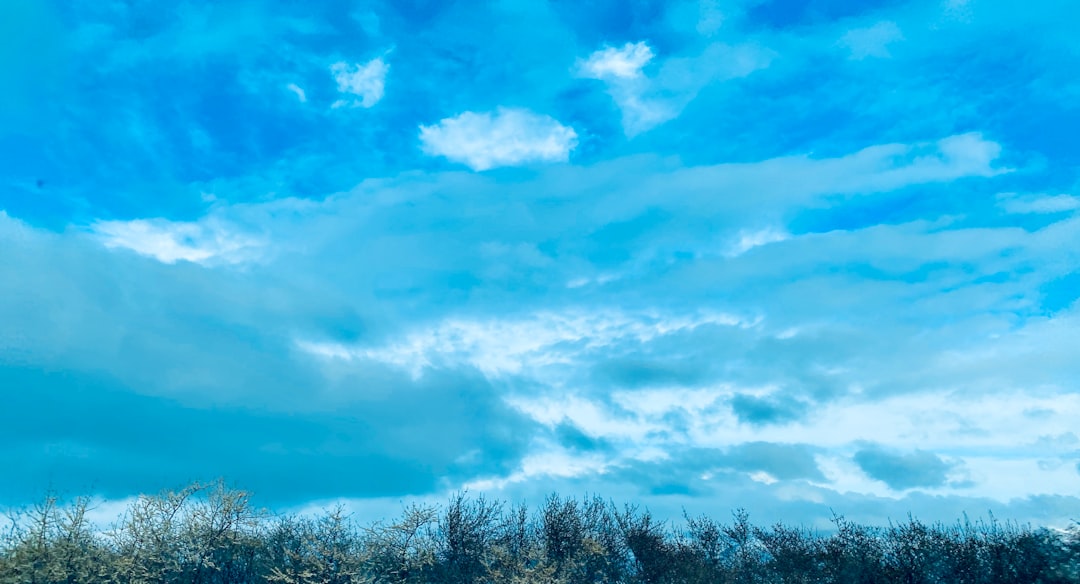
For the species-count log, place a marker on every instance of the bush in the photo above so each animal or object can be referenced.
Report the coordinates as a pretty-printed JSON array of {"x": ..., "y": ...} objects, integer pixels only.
[{"x": 209, "y": 534}]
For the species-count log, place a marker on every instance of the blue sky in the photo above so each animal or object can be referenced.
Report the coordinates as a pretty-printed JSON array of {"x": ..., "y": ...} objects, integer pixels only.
[{"x": 788, "y": 255}]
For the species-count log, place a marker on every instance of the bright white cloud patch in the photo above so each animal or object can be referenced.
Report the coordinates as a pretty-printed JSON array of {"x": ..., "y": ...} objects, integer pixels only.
[
  {"x": 506, "y": 137},
  {"x": 502, "y": 347},
  {"x": 365, "y": 81},
  {"x": 748, "y": 240},
  {"x": 617, "y": 63},
  {"x": 872, "y": 41},
  {"x": 1013, "y": 428},
  {"x": 207, "y": 242},
  {"x": 547, "y": 462}
]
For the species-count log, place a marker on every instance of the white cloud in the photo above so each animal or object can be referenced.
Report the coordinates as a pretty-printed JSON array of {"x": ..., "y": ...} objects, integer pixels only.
[
  {"x": 762, "y": 477},
  {"x": 892, "y": 166},
  {"x": 296, "y": 89},
  {"x": 748, "y": 240},
  {"x": 1023, "y": 204},
  {"x": 992, "y": 440},
  {"x": 745, "y": 187},
  {"x": 365, "y": 81},
  {"x": 500, "y": 347},
  {"x": 872, "y": 41},
  {"x": 879, "y": 329},
  {"x": 593, "y": 418},
  {"x": 657, "y": 402},
  {"x": 970, "y": 152},
  {"x": 612, "y": 63},
  {"x": 646, "y": 102},
  {"x": 510, "y": 136},
  {"x": 507, "y": 137},
  {"x": 999, "y": 431},
  {"x": 209, "y": 241},
  {"x": 548, "y": 348},
  {"x": 545, "y": 462}
]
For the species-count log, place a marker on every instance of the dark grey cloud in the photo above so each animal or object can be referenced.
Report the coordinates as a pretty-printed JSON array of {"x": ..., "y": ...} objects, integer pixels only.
[
  {"x": 698, "y": 471},
  {"x": 84, "y": 432},
  {"x": 570, "y": 436},
  {"x": 783, "y": 461},
  {"x": 631, "y": 372},
  {"x": 681, "y": 474},
  {"x": 904, "y": 471},
  {"x": 761, "y": 411}
]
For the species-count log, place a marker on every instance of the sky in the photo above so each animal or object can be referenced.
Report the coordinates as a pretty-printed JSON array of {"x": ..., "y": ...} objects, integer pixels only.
[{"x": 794, "y": 256}]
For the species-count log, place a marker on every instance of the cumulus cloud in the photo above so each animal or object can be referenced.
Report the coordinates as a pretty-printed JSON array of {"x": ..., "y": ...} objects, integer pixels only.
[
  {"x": 366, "y": 81},
  {"x": 756, "y": 410},
  {"x": 904, "y": 471},
  {"x": 505, "y": 137},
  {"x": 611, "y": 63}
]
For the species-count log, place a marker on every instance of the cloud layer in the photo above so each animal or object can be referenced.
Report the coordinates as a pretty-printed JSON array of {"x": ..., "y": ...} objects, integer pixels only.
[{"x": 692, "y": 254}]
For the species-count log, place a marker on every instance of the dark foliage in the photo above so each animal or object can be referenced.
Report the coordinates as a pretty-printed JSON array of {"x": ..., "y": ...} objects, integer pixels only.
[{"x": 208, "y": 534}]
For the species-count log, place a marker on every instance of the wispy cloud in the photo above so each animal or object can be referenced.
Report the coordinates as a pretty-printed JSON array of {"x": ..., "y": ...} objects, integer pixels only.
[
  {"x": 748, "y": 240},
  {"x": 647, "y": 101},
  {"x": 301, "y": 95},
  {"x": 500, "y": 347},
  {"x": 1015, "y": 203},
  {"x": 205, "y": 242}
]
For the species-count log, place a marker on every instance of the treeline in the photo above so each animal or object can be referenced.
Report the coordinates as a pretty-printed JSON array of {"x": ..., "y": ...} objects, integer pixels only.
[{"x": 209, "y": 534}]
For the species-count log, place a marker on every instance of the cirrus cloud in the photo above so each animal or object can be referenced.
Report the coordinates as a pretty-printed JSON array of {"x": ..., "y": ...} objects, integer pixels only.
[
  {"x": 209, "y": 241},
  {"x": 648, "y": 101}
]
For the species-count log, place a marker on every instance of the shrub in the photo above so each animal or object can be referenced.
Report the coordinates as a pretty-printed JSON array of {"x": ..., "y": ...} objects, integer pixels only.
[{"x": 209, "y": 534}]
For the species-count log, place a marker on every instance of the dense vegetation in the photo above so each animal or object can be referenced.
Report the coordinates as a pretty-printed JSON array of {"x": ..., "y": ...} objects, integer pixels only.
[{"x": 207, "y": 534}]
